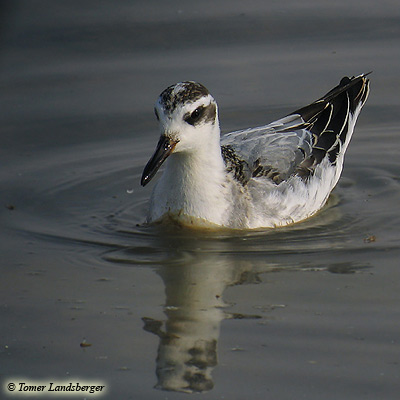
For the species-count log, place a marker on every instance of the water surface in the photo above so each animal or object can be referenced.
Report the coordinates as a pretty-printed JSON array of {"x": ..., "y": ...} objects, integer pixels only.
[{"x": 307, "y": 311}]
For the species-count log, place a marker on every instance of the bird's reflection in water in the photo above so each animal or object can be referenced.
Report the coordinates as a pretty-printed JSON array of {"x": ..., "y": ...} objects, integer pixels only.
[
  {"x": 197, "y": 270},
  {"x": 187, "y": 352}
]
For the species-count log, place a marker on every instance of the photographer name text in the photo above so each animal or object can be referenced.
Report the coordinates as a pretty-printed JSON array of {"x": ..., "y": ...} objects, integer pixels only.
[{"x": 21, "y": 387}]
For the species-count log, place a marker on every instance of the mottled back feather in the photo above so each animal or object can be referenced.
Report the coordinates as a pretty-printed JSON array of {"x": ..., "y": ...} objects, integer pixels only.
[{"x": 299, "y": 142}]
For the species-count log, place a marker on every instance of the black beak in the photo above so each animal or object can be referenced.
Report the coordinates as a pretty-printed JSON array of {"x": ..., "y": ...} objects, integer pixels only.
[{"x": 164, "y": 148}]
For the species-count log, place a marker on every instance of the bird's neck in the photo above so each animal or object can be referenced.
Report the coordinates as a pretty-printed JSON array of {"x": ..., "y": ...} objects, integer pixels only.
[{"x": 193, "y": 184}]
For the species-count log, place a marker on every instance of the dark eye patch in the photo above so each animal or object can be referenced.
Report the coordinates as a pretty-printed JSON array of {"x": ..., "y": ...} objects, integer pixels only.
[
  {"x": 194, "y": 116},
  {"x": 201, "y": 114}
]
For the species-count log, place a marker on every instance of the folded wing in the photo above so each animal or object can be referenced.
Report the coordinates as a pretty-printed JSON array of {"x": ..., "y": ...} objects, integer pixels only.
[{"x": 297, "y": 143}]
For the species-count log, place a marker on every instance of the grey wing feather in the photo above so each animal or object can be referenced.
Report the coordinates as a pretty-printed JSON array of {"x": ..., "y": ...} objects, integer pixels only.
[
  {"x": 297, "y": 143},
  {"x": 273, "y": 151}
]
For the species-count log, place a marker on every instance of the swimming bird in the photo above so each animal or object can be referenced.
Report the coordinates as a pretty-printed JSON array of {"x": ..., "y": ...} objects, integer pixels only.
[{"x": 263, "y": 177}]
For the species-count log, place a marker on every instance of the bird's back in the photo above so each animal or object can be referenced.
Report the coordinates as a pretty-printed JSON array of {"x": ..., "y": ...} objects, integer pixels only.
[{"x": 299, "y": 142}]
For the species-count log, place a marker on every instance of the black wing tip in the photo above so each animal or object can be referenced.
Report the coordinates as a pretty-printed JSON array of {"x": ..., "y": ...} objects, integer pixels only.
[
  {"x": 328, "y": 117},
  {"x": 355, "y": 78},
  {"x": 345, "y": 84},
  {"x": 314, "y": 109},
  {"x": 366, "y": 74}
]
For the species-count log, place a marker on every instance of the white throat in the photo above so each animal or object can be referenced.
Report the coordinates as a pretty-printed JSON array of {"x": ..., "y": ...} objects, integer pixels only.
[{"x": 193, "y": 184}]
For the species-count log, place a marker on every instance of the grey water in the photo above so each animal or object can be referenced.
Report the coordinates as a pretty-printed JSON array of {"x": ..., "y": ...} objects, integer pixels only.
[{"x": 88, "y": 292}]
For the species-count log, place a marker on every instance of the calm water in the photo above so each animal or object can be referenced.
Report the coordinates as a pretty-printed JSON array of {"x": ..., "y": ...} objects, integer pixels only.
[{"x": 309, "y": 311}]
